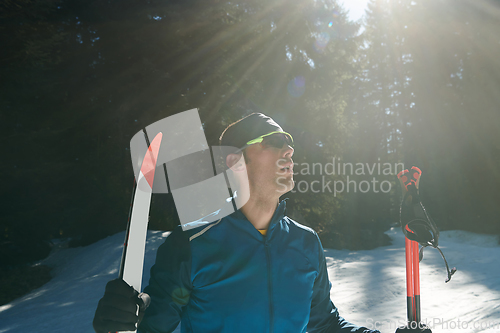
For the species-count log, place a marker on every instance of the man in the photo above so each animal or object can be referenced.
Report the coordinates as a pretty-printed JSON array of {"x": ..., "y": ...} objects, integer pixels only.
[{"x": 255, "y": 270}]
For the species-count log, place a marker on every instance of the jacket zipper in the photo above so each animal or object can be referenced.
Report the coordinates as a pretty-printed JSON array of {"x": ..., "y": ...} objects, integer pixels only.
[{"x": 270, "y": 285}]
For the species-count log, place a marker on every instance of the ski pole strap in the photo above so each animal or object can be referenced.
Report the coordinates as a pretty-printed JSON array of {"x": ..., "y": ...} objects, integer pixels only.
[
  {"x": 418, "y": 226},
  {"x": 416, "y": 223}
]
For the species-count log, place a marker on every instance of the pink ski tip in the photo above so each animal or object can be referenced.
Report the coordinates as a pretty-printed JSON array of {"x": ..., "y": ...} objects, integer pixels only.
[{"x": 149, "y": 163}]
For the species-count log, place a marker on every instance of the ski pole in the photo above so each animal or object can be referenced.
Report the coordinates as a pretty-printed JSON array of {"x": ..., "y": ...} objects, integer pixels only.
[
  {"x": 412, "y": 282},
  {"x": 419, "y": 230},
  {"x": 409, "y": 183},
  {"x": 416, "y": 282},
  {"x": 410, "y": 289}
]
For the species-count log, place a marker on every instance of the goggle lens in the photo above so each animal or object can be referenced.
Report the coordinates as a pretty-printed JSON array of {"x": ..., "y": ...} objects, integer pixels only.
[{"x": 278, "y": 140}]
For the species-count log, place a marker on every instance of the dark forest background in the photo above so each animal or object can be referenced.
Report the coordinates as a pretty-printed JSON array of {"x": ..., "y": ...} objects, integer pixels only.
[{"x": 417, "y": 82}]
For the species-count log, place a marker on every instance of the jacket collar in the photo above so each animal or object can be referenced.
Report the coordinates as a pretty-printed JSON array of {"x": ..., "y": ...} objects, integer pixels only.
[{"x": 278, "y": 215}]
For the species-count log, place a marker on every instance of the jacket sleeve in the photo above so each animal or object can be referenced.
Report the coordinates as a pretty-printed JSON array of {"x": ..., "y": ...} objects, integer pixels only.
[
  {"x": 169, "y": 284},
  {"x": 324, "y": 316}
]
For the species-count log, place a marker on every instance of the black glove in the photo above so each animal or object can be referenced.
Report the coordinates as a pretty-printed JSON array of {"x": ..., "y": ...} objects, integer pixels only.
[
  {"x": 117, "y": 309},
  {"x": 418, "y": 329}
]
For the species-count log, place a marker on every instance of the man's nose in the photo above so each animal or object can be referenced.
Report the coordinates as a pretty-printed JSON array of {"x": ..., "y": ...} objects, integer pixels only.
[{"x": 287, "y": 151}]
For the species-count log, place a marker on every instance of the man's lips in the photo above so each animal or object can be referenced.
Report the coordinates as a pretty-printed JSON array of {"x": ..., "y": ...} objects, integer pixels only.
[{"x": 287, "y": 167}]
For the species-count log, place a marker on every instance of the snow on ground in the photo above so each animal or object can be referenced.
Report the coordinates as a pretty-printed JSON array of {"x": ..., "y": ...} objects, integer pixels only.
[{"x": 368, "y": 287}]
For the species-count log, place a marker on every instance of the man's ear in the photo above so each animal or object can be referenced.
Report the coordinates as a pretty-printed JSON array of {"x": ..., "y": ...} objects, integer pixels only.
[{"x": 236, "y": 162}]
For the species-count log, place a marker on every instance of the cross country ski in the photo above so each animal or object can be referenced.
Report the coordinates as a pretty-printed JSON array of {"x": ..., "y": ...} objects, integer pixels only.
[{"x": 135, "y": 240}]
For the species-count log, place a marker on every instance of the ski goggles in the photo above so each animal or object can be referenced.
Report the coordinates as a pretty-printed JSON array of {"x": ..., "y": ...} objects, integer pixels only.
[{"x": 276, "y": 139}]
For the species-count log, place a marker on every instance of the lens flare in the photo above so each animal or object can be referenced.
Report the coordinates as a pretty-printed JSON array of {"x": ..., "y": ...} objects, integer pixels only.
[{"x": 297, "y": 86}]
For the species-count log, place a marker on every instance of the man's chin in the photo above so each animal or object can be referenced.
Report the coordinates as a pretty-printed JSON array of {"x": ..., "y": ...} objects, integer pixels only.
[{"x": 286, "y": 186}]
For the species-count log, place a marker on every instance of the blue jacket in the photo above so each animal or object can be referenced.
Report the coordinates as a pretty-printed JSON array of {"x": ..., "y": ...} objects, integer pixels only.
[{"x": 228, "y": 277}]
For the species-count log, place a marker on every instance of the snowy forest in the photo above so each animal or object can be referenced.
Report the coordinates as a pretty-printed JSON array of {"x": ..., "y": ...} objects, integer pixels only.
[{"x": 414, "y": 83}]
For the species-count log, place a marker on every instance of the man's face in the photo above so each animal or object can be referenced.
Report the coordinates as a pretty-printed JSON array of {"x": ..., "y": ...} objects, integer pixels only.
[{"x": 269, "y": 169}]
